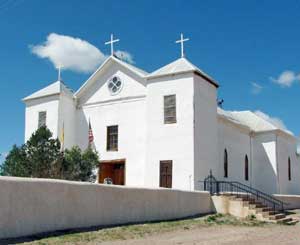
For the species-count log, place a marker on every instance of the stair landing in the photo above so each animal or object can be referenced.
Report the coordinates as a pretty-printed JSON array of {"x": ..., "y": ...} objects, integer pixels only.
[{"x": 243, "y": 207}]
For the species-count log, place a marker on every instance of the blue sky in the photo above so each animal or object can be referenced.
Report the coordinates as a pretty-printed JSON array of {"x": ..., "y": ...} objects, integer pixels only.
[{"x": 251, "y": 48}]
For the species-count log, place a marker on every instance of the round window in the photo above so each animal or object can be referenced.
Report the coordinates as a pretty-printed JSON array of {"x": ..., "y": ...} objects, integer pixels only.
[{"x": 114, "y": 85}]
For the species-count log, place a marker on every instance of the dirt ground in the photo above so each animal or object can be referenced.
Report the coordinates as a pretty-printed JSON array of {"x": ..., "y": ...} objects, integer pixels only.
[{"x": 275, "y": 235}]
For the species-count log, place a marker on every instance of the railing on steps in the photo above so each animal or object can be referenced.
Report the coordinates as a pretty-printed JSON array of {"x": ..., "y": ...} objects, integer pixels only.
[{"x": 240, "y": 190}]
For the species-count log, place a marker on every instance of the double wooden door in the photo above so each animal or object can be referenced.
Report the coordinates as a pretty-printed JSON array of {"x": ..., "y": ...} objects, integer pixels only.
[
  {"x": 165, "y": 174},
  {"x": 114, "y": 170}
]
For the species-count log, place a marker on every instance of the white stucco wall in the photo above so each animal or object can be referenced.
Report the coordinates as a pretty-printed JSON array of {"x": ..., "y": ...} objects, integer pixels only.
[
  {"x": 170, "y": 141},
  {"x": 236, "y": 141},
  {"x": 205, "y": 129},
  {"x": 133, "y": 86},
  {"x": 49, "y": 104},
  {"x": 286, "y": 147},
  {"x": 264, "y": 168},
  {"x": 31, "y": 206},
  {"x": 66, "y": 119},
  {"x": 127, "y": 110},
  {"x": 290, "y": 201}
]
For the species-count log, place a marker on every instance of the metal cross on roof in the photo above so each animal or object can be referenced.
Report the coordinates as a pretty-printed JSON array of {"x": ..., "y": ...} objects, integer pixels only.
[
  {"x": 181, "y": 41},
  {"x": 111, "y": 42},
  {"x": 59, "y": 68}
]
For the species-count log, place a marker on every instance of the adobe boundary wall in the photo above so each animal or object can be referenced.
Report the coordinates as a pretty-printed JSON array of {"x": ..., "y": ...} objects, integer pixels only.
[
  {"x": 32, "y": 206},
  {"x": 291, "y": 201}
]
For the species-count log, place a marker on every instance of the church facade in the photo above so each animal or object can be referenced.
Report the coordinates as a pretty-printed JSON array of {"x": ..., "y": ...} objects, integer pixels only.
[{"x": 164, "y": 129}]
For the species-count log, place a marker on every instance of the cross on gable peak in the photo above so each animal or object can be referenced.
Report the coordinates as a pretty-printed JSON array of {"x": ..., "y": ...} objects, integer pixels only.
[
  {"x": 111, "y": 42},
  {"x": 181, "y": 41}
]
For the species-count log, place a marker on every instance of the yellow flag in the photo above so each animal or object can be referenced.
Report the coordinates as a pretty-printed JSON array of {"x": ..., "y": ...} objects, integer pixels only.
[{"x": 62, "y": 137}]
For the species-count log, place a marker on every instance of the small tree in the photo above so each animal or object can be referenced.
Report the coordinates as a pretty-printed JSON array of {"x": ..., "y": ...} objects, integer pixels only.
[
  {"x": 41, "y": 157},
  {"x": 78, "y": 165},
  {"x": 43, "y": 154},
  {"x": 90, "y": 161},
  {"x": 16, "y": 163}
]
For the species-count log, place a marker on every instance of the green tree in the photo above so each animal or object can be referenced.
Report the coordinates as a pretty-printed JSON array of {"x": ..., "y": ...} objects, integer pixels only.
[
  {"x": 78, "y": 165},
  {"x": 41, "y": 157},
  {"x": 90, "y": 162},
  {"x": 43, "y": 154},
  {"x": 16, "y": 163}
]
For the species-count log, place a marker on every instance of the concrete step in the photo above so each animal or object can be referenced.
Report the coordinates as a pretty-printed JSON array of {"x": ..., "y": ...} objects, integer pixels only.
[
  {"x": 261, "y": 210},
  {"x": 272, "y": 212},
  {"x": 283, "y": 220},
  {"x": 277, "y": 216},
  {"x": 292, "y": 222}
]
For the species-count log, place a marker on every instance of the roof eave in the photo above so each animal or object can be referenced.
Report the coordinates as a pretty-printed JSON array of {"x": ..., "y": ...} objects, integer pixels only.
[
  {"x": 26, "y": 99},
  {"x": 82, "y": 88},
  {"x": 206, "y": 78},
  {"x": 276, "y": 131}
]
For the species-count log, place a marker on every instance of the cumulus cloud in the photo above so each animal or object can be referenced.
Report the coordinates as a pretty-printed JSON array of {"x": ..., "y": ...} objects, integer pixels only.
[
  {"x": 286, "y": 79},
  {"x": 73, "y": 53},
  {"x": 256, "y": 88},
  {"x": 123, "y": 55},
  {"x": 277, "y": 122}
]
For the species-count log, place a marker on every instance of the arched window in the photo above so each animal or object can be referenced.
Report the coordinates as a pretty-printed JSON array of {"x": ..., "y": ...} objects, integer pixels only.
[
  {"x": 225, "y": 164},
  {"x": 246, "y": 168},
  {"x": 289, "y": 169}
]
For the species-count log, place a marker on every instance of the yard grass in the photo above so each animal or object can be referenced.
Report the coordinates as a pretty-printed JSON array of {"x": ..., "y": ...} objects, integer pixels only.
[{"x": 142, "y": 230}]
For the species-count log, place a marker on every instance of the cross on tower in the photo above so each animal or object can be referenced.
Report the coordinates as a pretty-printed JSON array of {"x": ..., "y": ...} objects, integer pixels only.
[
  {"x": 181, "y": 41},
  {"x": 59, "y": 68},
  {"x": 111, "y": 42}
]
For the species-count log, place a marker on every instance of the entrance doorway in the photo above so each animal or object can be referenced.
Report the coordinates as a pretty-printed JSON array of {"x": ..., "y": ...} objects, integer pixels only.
[
  {"x": 165, "y": 179},
  {"x": 113, "y": 169}
]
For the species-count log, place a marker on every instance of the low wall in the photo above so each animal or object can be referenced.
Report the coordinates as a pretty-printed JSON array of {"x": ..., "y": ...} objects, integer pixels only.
[
  {"x": 31, "y": 206},
  {"x": 291, "y": 201}
]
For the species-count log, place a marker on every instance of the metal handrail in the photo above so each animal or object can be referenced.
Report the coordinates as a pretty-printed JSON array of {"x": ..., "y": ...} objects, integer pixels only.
[
  {"x": 216, "y": 187},
  {"x": 260, "y": 192},
  {"x": 256, "y": 194}
]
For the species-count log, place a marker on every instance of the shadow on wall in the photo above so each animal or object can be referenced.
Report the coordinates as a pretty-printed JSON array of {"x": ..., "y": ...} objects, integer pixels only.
[
  {"x": 82, "y": 129},
  {"x": 264, "y": 172}
]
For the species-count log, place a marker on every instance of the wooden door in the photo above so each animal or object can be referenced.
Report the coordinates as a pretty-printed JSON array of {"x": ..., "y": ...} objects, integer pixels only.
[
  {"x": 114, "y": 169},
  {"x": 119, "y": 174},
  {"x": 165, "y": 174}
]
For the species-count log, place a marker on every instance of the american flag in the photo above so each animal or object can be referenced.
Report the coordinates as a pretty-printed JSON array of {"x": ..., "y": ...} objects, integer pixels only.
[{"x": 91, "y": 136}]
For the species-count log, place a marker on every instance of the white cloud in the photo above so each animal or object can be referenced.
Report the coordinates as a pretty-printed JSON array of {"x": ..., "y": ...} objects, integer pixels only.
[
  {"x": 123, "y": 55},
  {"x": 286, "y": 79},
  {"x": 277, "y": 122},
  {"x": 256, "y": 88},
  {"x": 73, "y": 54}
]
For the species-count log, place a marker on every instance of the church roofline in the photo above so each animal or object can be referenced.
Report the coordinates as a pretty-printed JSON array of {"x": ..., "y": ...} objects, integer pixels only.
[
  {"x": 53, "y": 89},
  {"x": 181, "y": 66},
  {"x": 234, "y": 120},
  {"x": 130, "y": 67}
]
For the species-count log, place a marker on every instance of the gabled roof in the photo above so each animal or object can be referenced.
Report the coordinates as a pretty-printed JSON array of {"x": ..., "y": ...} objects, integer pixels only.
[
  {"x": 110, "y": 59},
  {"x": 251, "y": 120},
  {"x": 53, "y": 89},
  {"x": 181, "y": 65}
]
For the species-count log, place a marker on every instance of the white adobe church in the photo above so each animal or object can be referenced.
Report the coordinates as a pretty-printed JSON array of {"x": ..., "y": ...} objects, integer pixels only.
[{"x": 164, "y": 128}]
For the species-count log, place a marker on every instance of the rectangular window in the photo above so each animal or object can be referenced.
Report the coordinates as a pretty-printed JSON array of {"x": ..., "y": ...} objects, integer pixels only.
[
  {"x": 165, "y": 179},
  {"x": 42, "y": 118},
  {"x": 170, "y": 109},
  {"x": 112, "y": 138}
]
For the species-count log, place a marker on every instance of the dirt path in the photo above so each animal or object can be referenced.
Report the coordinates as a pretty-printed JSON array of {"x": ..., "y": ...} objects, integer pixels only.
[{"x": 275, "y": 235}]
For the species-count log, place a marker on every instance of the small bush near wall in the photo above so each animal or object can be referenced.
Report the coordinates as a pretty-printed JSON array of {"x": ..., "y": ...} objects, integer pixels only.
[{"x": 41, "y": 157}]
